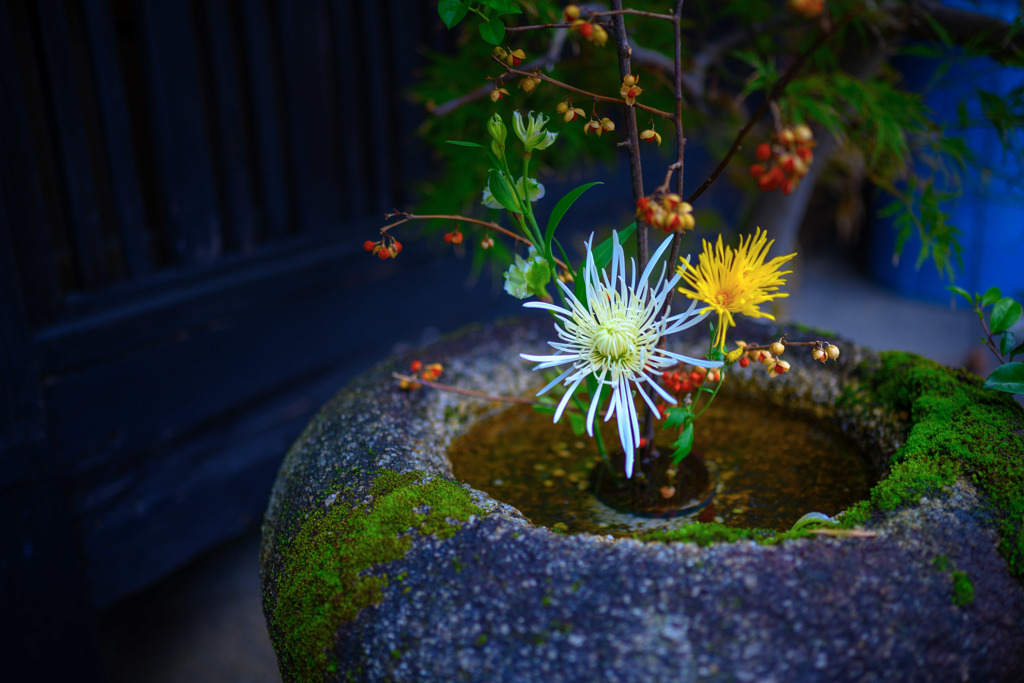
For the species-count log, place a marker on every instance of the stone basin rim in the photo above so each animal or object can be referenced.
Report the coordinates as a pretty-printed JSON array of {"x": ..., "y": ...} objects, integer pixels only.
[{"x": 372, "y": 426}]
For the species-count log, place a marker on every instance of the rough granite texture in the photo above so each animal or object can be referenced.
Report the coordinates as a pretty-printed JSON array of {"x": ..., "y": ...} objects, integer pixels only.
[{"x": 502, "y": 600}]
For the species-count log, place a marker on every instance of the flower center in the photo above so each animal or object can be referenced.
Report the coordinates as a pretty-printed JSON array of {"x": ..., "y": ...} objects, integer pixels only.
[
  {"x": 726, "y": 298},
  {"x": 615, "y": 340}
]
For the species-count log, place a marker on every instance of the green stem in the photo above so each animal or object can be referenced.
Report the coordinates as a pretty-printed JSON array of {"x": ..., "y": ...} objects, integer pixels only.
[{"x": 707, "y": 404}]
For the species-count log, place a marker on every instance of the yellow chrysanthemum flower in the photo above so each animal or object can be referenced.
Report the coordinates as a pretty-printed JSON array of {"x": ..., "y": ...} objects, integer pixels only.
[{"x": 735, "y": 280}]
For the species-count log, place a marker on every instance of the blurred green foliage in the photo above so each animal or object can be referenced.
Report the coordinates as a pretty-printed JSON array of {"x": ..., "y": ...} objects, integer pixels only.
[{"x": 734, "y": 54}]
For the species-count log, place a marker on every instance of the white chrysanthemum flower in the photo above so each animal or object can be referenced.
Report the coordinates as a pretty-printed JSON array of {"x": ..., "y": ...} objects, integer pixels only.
[{"x": 614, "y": 337}]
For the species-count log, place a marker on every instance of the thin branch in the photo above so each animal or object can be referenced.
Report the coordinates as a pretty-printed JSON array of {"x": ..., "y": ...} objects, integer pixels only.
[
  {"x": 775, "y": 92},
  {"x": 585, "y": 93},
  {"x": 680, "y": 144},
  {"x": 405, "y": 217},
  {"x": 635, "y": 12}
]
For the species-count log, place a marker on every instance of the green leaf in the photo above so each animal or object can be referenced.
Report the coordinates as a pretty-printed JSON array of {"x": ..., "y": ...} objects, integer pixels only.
[
  {"x": 563, "y": 205},
  {"x": 940, "y": 30},
  {"x": 493, "y": 31},
  {"x": 677, "y": 416},
  {"x": 465, "y": 143},
  {"x": 538, "y": 275},
  {"x": 1007, "y": 342},
  {"x": 683, "y": 445},
  {"x": 577, "y": 421},
  {"x": 501, "y": 190},
  {"x": 812, "y": 518},
  {"x": 452, "y": 11},
  {"x": 502, "y": 6},
  {"x": 1008, "y": 378},
  {"x": 1005, "y": 314},
  {"x": 991, "y": 296},
  {"x": 962, "y": 292}
]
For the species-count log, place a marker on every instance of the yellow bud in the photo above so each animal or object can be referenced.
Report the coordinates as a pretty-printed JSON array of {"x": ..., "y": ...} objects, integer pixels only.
[
  {"x": 629, "y": 80},
  {"x": 803, "y": 133},
  {"x": 572, "y": 12},
  {"x": 607, "y": 124},
  {"x": 777, "y": 348},
  {"x": 832, "y": 351},
  {"x": 733, "y": 355},
  {"x": 600, "y": 36},
  {"x": 562, "y": 107}
]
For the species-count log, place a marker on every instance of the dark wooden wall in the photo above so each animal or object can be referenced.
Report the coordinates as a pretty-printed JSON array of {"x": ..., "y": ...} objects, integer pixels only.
[{"x": 185, "y": 187}]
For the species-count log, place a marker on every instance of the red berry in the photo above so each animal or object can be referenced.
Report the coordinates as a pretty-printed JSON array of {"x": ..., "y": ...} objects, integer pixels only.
[
  {"x": 686, "y": 386},
  {"x": 416, "y": 366},
  {"x": 369, "y": 245},
  {"x": 586, "y": 30},
  {"x": 788, "y": 165},
  {"x": 763, "y": 152},
  {"x": 383, "y": 255},
  {"x": 805, "y": 153},
  {"x": 767, "y": 182},
  {"x": 756, "y": 170},
  {"x": 398, "y": 246},
  {"x": 744, "y": 361}
]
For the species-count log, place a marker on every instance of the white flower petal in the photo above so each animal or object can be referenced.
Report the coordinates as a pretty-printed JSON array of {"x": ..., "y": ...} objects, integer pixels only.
[{"x": 613, "y": 338}]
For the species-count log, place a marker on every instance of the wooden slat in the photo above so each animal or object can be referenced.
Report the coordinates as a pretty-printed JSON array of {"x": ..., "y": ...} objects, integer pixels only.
[
  {"x": 267, "y": 103},
  {"x": 409, "y": 154},
  {"x": 382, "y": 173},
  {"x": 127, "y": 195},
  {"x": 46, "y": 627},
  {"x": 185, "y": 169},
  {"x": 233, "y": 166},
  {"x": 79, "y": 187},
  {"x": 305, "y": 52},
  {"x": 19, "y": 182},
  {"x": 355, "y": 144}
]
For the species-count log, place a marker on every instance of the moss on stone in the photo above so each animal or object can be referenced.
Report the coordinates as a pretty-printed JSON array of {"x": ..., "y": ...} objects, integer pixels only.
[
  {"x": 957, "y": 428},
  {"x": 325, "y": 579},
  {"x": 963, "y": 589},
  {"x": 708, "y": 533}
]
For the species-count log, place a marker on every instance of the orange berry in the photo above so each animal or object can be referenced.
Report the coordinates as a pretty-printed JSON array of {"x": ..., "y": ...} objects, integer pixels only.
[{"x": 416, "y": 366}]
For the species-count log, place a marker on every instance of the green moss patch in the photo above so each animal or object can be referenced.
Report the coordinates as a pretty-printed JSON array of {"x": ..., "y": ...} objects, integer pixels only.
[
  {"x": 957, "y": 428},
  {"x": 708, "y": 533},
  {"x": 322, "y": 583}
]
